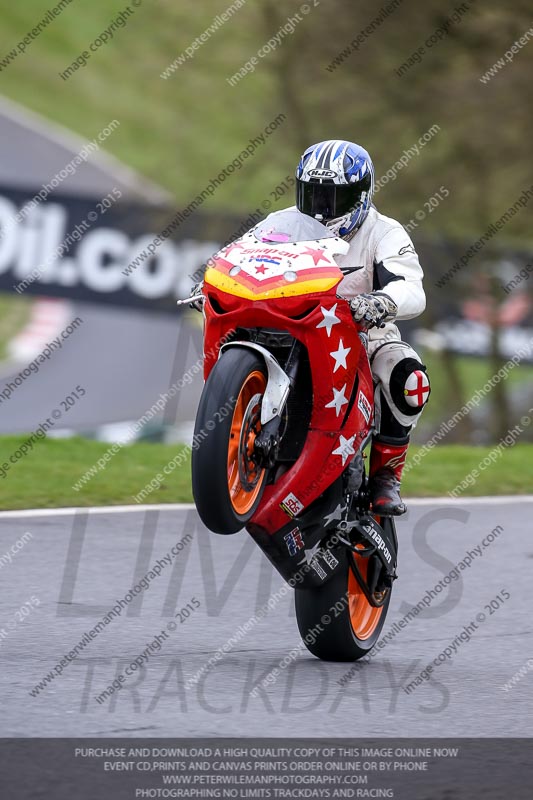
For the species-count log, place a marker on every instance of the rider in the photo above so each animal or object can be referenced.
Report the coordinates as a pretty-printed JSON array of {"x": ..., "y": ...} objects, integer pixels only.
[{"x": 335, "y": 184}]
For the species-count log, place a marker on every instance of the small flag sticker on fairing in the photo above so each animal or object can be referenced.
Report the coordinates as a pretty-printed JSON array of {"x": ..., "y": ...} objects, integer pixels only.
[{"x": 294, "y": 541}]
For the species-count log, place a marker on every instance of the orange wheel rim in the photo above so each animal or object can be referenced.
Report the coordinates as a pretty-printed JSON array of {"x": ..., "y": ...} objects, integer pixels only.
[
  {"x": 363, "y": 616},
  {"x": 245, "y": 426}
]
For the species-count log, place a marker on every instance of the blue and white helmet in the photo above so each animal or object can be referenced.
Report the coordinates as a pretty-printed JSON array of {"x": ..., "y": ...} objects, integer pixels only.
[{"x": 335, "y": 184}]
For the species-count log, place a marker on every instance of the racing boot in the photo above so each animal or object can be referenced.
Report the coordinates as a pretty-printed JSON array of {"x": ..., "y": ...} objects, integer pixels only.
[{"x": 387, "y": 460}]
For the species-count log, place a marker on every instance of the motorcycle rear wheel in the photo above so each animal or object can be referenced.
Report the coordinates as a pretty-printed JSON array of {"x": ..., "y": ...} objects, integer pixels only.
[
  {"x": 227, "y": 484},
  {"x": 354, "y": 625}
]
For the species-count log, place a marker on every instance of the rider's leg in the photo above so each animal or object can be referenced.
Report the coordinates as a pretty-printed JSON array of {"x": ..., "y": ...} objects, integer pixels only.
[
  {"x": 403, "y": 393},
  {"x": 387, "y": 459}
]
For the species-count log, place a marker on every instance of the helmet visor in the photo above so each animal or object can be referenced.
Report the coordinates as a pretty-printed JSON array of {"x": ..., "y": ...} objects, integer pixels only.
[{"x": 329, "y": 200}]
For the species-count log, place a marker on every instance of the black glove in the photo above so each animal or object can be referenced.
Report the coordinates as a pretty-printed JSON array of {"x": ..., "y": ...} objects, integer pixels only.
[
  {"x": 196, "y": 293},
  {"x": 373, "y": 309}
]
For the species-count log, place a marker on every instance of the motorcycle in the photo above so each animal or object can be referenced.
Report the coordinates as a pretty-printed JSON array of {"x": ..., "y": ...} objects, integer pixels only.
[{"x": 286, "y": 412}]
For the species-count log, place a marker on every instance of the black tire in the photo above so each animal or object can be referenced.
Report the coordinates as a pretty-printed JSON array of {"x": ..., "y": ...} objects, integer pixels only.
[
  {"x": 335, "y": 640},
  {"x": 236, "y": 369}
]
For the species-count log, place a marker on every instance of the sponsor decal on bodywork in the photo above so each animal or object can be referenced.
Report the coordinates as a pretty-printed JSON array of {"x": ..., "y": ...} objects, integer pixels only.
[
  {"x": 291, "y": 505},
  {"x": 378, "y": 540},
  {"x": 329, "y": 558},
  {"x": 294, "y": 541},
  {"x": 364, "y": 406},
  {"x": 314, "y": 564}
]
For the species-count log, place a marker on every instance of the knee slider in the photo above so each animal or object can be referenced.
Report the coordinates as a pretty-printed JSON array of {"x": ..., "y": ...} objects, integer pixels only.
[{"x": 409, "y": 386}]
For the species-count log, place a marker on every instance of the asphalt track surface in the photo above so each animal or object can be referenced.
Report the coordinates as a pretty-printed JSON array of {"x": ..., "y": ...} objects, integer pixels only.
[{"x": 77, "y": 564}]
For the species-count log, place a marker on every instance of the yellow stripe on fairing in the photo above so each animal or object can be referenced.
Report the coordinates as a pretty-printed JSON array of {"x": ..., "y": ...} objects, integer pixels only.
[{"x": 231, "y": 286}]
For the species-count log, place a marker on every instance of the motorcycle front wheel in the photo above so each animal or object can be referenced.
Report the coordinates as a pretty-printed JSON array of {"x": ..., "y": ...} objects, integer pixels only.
[{"x": 227, "y": 482}]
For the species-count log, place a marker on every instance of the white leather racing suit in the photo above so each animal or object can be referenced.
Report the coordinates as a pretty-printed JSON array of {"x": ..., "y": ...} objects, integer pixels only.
[{"x": 384, "y": 258}]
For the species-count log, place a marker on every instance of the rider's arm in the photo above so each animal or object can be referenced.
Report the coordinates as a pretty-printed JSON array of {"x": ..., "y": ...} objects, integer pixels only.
[{"x": 397, "y": 273}]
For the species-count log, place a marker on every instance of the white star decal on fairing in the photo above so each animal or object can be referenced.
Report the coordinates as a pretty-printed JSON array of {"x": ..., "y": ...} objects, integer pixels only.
[
  {"x": 345, "y": 448},
  {"x": 310, "y": 553},
  {"x": 340, "y": 356},
  {"x": 339, "y": 400},
  {"x": 335, "y": 514},
  {"x": 330, "y": 319}
]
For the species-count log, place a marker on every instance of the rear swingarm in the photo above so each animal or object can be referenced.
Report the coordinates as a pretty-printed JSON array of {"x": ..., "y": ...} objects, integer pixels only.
[{"x": 367, "y": 539}]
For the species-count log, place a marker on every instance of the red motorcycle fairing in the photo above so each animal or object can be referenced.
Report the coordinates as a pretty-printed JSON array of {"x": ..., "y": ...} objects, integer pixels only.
[
  {"x": 342, "y": 389},
  {"x": 296, "y": 549}
]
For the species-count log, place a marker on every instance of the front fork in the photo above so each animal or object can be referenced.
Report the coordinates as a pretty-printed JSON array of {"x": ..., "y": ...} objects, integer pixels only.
[
  {"x": 280, "y": 382},
  {"x": 267, "y": 442}
]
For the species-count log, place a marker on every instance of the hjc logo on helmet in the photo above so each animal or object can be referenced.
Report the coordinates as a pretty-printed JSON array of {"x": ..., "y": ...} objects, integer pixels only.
[{"x": 322, "y": 173}]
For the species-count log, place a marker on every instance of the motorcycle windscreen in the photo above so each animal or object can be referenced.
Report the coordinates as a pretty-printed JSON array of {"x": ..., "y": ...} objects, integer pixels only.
[{"x": 291, "y": 226}]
